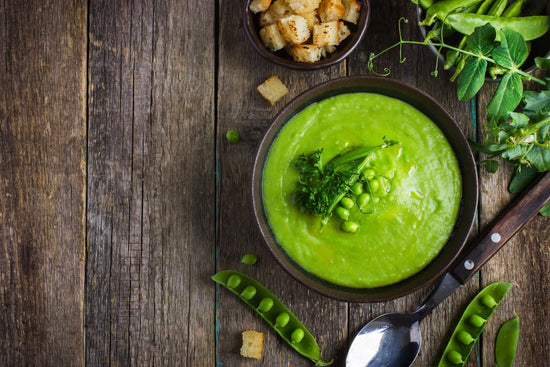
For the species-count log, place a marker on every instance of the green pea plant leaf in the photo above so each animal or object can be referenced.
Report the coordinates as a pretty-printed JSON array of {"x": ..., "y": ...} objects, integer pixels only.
[
  {"x": 472, "y": 77},
  {"x": 510, "y": 54},
  {"x": 542, "y": 63},
  {"x": 518, "y": 121}
]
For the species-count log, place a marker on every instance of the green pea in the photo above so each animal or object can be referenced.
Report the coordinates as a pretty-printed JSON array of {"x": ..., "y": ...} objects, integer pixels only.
[
  {"x": 347, "y": 203},
  {"x": 265, "y": 304},
  {"x": 282, "y": 319},
  {"x": 454, "y": 357},
  {"x": 357, "y": 188},
  {"x": 297, "y": 335},
  {"x": 233, "y": 281},
  {"x": 464, "y": 337},
  {"x": 369, "y": 174},
  {"x": 506, "y": 344},
  {"x": 476, "y": 320},
  {"x": 374, "y": 185},
  {"x": 249, "y": 292},
  {"x": 249, "y": 259},
  {"x": 363, "y": 201},
  {"x": 488, "y": 301},
  {"x": 274, "y": 312},
  {"x": 232, "y": 136},
  {"x": 349, "y": 227},
  {"x": 342, "y": 213},
  {"x": 471, "y": 324}
]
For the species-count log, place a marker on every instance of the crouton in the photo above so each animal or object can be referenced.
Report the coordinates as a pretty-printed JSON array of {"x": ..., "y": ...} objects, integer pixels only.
[
  {"x": 306, "y": 53},
  {"x": 330, "y": 10},
  {"x": 266, "y": 18},
  {"x": 326, "y": 34},
  {"x": 252, "y": 344},
  {"x": 294, "y": 29},
  {"x": 302, "y": 7},
  {"x": 280, "y": 9},
  {"x": 257, "y": 6},
  {"x": 327, "y": 50},
  {"x": 272, "y": 38},
  {"x": 343, "y": 31},
  {"x": 353, "y": 8},
  {"x": 272, "y": 89},
  {"x": 312, "y": 19}
]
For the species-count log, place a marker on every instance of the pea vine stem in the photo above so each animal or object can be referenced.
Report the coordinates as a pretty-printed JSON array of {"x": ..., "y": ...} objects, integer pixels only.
[{"x": 441, "y": 45}]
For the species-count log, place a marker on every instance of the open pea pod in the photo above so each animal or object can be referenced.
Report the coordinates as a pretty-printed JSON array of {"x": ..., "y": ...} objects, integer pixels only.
[
  {"x": 472, "y": 323},
  {"x": 273, "y": 311}
]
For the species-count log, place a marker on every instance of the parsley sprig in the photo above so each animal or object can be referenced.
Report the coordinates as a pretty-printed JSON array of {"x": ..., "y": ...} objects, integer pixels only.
[{"x": 322, "y": 186}]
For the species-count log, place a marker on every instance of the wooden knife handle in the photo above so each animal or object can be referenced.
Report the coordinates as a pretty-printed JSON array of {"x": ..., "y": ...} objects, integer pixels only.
[{"x": 515, "y": 216}]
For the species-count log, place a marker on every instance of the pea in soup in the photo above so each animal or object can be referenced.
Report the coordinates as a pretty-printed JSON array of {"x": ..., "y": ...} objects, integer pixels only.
[{"x": 411, "y": 219}]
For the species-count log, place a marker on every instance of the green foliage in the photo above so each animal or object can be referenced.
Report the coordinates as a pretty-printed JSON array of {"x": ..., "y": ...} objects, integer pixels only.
[
  {"x": 523, "y": 178},
  {"x": 321, "y": 187},
  {"x": 542, "y": 63},
  {"x": 520, "y": 136}
]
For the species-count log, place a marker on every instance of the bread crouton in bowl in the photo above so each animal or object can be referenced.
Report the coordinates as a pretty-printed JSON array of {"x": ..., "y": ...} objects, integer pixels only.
[{"x": 305, "y": 34}]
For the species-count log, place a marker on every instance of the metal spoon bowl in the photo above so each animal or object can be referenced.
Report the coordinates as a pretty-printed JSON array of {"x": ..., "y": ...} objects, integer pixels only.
[
  {"x": 393, "y": 339},
  {"x": 378, "y": 344}
]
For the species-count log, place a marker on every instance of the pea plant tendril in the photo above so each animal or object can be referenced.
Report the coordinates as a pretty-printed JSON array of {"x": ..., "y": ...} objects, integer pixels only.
[{"x": 518, "y": 121}]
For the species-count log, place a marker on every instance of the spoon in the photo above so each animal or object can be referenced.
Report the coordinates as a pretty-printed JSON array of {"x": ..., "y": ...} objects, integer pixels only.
[{"x": 393, "y": 339}]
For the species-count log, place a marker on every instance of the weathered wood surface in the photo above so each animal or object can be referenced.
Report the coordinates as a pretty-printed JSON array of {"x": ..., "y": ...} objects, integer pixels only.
[
  {"x": 151, "y": 184},
  {"x": 42, "y": 182},
  {"x": 120, "y": 196}
]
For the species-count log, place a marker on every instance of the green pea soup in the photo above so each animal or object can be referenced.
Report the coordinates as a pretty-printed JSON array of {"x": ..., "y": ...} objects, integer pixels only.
[{"x": 409, "y": 224}]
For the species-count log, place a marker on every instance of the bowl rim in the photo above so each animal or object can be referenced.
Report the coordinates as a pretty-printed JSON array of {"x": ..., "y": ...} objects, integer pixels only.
[
  {"x": 355, "y": 39},
  {"x": 461, "y": 148}
]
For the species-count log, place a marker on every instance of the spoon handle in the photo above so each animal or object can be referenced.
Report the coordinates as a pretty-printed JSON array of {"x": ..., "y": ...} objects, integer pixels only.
[{"x": 509, "y": 223}]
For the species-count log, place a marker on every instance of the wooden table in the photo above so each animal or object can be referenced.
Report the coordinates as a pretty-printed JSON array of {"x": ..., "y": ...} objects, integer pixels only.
[{"x": 120, "y": 196}]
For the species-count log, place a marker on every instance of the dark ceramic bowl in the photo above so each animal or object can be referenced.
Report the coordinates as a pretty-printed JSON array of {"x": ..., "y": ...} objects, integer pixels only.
[
  {"x": 343, "y": 50},
  {"x": 539, "y": 47},
  {"x": 447, "y": 125}
]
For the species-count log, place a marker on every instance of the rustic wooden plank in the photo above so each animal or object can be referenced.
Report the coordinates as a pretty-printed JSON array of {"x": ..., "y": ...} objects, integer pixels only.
[
  {"x": 523, "y": 261},
  {"x": 42, "y": 182},
  {"x": 151, "y": 213},
  {"x": 416, "y": 71},
  {"x": 240, "y": 107}
]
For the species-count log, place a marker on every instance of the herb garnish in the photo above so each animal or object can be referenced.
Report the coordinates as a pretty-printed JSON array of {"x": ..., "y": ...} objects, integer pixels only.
[
  {"x": 321, "y": 187},
  {"x": 519, "y": 136}
]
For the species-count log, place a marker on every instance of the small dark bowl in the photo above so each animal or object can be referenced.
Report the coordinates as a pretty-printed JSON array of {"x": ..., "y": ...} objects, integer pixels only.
[
  {"x": 454, "y": 135},
  {"x": 343, "y": 50},
  {"x": 539, "y": 47}
]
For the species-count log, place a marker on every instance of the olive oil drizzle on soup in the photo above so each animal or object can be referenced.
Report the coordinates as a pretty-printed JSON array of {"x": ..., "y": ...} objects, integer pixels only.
[{"x": 409, "y": 226}]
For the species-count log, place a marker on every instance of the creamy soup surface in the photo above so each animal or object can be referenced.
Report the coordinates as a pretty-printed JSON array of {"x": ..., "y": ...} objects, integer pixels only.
[{"x": 409, "y": 226}]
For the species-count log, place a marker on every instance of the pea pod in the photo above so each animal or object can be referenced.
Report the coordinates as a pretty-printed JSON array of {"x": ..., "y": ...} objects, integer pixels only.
[
  {"x": 495, "y": 9},
  {"x": 530, "y": 28},
  {"x": 472, "y": 323},
  {"x": 514, "y": 9},
  {"x": 442, "y": 9},
  {"x": 425, "y": 4},
  {"x": 507, "y": 343},
  {"x": 498, "y": 8},
  {"x": 273, "y": 311}
]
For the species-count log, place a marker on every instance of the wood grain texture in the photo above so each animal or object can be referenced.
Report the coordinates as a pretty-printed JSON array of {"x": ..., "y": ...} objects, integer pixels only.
[
  {"x": 151, "y": 190},
  {"x": 523, "y": 261},
  {"x": 241, "y": 107},
  {"x": 42, "y": 182},
  {"x": 120, "y": 195}
]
